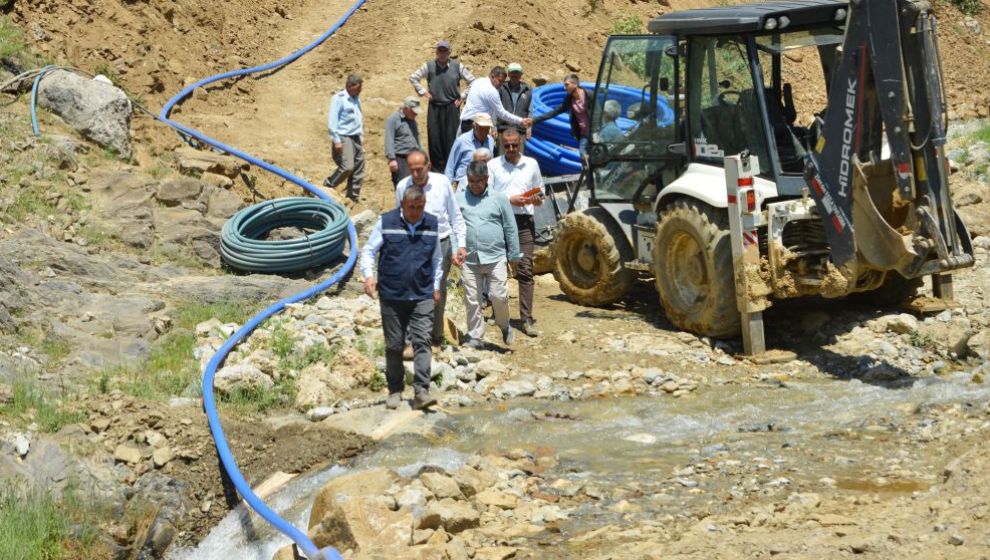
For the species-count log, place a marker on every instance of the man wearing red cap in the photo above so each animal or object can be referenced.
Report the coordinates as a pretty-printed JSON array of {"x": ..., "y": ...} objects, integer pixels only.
[{"x": 443, "y": 78}]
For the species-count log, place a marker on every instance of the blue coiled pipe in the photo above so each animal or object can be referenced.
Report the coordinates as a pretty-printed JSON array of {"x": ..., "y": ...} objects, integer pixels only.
[
  {"x": 242, "y": 246},
  {"x": 554, "y": 147},
  {"x": 209, "y": 403}
]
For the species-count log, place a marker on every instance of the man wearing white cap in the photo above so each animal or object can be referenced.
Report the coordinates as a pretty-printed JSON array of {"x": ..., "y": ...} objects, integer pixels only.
[
  {"x": 463, "y": 149},
  {"x": 443, "y": 78},
  {"x": 516, "y": 97},
  {"x": 402, "y": 137},
  {"x": 483, "y": 97}
]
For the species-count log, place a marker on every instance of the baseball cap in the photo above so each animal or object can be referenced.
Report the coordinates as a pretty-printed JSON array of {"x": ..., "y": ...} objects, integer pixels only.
[
  {"x": 483, "y": 119},
  {"x": 443, "y": 44},
  {"x": 514, "y": 67},
  {"x": 412, "y": 102}
]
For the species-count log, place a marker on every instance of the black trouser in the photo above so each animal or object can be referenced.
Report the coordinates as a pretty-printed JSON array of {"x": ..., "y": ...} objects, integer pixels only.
[
  {"x": 415, "y": 319},
  {"x": 467, "y": 125},
  {"x": 524, "y": 270},
  {"x": 441, "y": 129},
  {"x": 403, "y": 171},
  {"x": 438, "y": 313}
]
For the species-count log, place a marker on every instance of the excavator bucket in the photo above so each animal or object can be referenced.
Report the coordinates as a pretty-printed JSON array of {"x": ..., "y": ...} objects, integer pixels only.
[
  {"x": 893, "y": 214},
  {"x": 881, "y": 246}
]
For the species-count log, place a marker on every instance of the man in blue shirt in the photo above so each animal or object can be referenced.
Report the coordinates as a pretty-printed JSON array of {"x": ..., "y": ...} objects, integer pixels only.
[
  {"x": 492, "y": 239},
  {"x": 347, "y": 133},
  {"x": 463, "y": 149},
  {"x": 401, "y": 263}
]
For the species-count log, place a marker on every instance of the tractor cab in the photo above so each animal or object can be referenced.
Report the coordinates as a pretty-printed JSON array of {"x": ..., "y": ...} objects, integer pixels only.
[{"x": 709, "y": 83}]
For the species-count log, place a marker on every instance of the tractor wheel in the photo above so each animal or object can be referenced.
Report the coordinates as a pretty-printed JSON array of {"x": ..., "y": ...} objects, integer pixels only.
[
  {"x": 589, "y": 249},
  {"x": 894, "y": 289},
  {"x": 692, "y": 262}
]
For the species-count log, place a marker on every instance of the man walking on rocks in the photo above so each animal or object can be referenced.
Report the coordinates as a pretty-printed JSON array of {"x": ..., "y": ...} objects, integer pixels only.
[
  {"x": 483, "y": 97},
  {"x": 462, "y": 153},
  {"x": 441, "y": 204},
  {"x": 443, "y": 78},
  {"x": 345, "y": 123},
  {"x": 492, "y": 240},
  {"x": 516, "y": 176},
  {"x": 404, "y": 250},
  {"x": 401, "y": 138}
]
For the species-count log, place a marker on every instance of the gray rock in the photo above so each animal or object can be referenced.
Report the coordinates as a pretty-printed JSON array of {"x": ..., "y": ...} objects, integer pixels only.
[
  {"x": 99, "y": 111},
  {"x": 319, "y": 413},
  {"x": 514, "y": 389},
  {"x": 174, "y": 193},
  {"x": 241, "y": 376},
  {"x": 221, "y": 203},
  {"x": 979, "y": 345},
  {"x": 452, "y": 515},
  {"x": 127, "y": 454},
  {"x": 900, "y": 324},
  {"x": 441, "y": 485}
]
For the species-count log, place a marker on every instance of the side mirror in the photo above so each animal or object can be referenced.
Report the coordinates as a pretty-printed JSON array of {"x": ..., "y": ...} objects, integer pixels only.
[
  {"x": 677, "y": 148},
  {"x": 664, "y": 84}
]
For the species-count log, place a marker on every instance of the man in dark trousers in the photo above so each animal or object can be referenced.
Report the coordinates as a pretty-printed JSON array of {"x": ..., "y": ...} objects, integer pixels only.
[
  {"x": 577, "y": 105},
  {"x": 443, "y": 79},
  {"x": 516, "y": 97},
  {"x": 405, "y": 247},
  {"x": 402, "y": 138}
]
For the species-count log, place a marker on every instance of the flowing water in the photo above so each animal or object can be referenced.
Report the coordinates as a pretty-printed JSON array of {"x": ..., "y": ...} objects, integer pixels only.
[{"x": 629, "y": 447}]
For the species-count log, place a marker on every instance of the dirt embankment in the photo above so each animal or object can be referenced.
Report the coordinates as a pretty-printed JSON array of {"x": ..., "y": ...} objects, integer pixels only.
[{"x": 156, "y": 46}]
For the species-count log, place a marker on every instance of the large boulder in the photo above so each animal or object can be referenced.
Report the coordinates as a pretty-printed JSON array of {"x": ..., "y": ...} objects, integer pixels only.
[
  {"x": 99, "y": 111},
  {"x": 353, "y": 512}
]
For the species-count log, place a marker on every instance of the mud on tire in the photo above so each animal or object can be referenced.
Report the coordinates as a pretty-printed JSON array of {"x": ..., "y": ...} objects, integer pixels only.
[
  {"x": 589, "y": 249},
  {"x": 692, "y": 263}
]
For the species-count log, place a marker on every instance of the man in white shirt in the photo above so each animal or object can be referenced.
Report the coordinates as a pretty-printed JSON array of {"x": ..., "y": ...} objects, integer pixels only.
[
  {"x": 483, "y": 97},
  {"x": 441, "y": 203},
  {"x": 515, "y": 175}
]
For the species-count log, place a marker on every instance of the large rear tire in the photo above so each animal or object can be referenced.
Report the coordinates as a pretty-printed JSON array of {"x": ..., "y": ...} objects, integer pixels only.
[
  {"x": 589, "y": 249},
  {"x": 692, "y": 262}
]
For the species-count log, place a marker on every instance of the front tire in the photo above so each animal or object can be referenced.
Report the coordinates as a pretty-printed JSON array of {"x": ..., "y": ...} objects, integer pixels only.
[
  {"x": 589, "y": 249},
  {"x": 692, "y": 262}
]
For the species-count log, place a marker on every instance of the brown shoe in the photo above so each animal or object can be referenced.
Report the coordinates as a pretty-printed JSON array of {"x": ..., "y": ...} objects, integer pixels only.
[
  {"x": 424, "y": 400},
  {"x": 407, "y": 353}
]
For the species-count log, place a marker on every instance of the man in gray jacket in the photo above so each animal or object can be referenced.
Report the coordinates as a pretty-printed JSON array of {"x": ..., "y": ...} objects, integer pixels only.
[
  {"x": 516, "y": 97},
  {"x": 402, "y": 138}
]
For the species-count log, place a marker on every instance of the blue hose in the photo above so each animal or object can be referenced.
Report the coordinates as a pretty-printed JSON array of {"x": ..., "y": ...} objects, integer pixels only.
[
  {"x": 555, "y": 148},
  {"x": 223, "y": 449},
  {"x": 34, "y": 97}
]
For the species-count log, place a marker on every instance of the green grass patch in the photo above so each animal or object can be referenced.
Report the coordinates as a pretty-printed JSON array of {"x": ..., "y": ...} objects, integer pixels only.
[
  {"x": 172, "y": 369},
  {"x": 626, "y": 25},
  {"x": 982, "y": 134},
  {"x": 108, "y": 70},
  {"x": 188, "y": 314},
  {"x": 35, "y": 525},
  {"x": 967, "y": 7},
  {"x": 377, "y": 382},
  {"x": 12, "y": 42},
  {"x": 29, "y": 201},
  {"x": 93, "y": 235},
  {"x": 256, "y": 399},
  {"x": 32, "y": 404}
]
